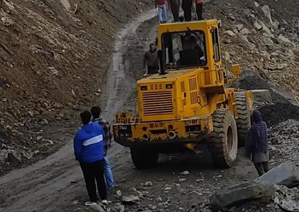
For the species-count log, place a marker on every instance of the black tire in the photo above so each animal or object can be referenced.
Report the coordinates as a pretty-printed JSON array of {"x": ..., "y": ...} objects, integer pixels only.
[
  {"x": 144, "y": 158},
  {"x": 243, "y": 121},
  {"x": 223, "y": 142}
]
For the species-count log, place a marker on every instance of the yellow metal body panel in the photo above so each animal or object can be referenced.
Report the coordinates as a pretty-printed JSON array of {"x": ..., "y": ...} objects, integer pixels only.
[
  {"x": 166, "y": 103},
  {"x": 184, "y": 130}
]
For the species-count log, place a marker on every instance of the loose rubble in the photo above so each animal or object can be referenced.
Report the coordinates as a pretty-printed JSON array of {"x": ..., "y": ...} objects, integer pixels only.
[
  {"x": 286, "y": 174},
  {"x": 235, "y": 195}
]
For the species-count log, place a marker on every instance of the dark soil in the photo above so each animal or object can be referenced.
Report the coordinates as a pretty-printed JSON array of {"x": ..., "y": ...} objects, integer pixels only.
[
  {"x": 279, "y": 112},
  {"x": 255, "y": 82}
]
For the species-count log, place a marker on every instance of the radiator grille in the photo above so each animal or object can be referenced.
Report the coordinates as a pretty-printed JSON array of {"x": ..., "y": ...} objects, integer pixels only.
[{"x": 157, "y": 103}]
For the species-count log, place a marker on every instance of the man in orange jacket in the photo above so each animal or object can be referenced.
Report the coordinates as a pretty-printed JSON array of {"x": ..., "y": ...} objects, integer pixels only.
[{"x": 199, "y": 5}]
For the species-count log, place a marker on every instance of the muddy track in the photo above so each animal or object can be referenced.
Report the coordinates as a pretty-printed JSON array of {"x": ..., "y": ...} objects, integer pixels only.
[{"x": 50, "y": 183}]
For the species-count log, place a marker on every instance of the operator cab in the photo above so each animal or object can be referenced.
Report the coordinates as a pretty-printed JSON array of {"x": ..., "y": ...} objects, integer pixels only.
[
  {"x": 184, "y": 49},
  {"x": 189, "y": 45}
]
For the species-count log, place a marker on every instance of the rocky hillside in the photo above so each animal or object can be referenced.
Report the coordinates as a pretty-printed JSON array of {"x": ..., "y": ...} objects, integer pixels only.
[
  {"x": 262, "y": 36},
  {"x": 54, "y": 56}
]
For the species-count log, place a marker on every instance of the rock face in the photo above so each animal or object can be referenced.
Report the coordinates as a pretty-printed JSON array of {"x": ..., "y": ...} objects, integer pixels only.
[
  {"x": 261, "y": 96},
  {"x": 286, "y": 174},
  {"x": 229, "y": 197}
]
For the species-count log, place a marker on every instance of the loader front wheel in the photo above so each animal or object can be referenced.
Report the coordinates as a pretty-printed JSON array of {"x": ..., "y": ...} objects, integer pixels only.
[
  {"x": 144, "y": 158},
  {"x": 243, "y": 121},
  {"x": 223, "y": 142}
]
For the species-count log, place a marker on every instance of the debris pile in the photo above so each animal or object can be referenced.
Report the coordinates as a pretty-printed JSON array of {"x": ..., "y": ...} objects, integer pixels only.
[{"x": 46, "y": 51}]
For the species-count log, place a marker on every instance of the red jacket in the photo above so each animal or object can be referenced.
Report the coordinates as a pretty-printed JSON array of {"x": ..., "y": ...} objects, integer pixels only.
[{"x": 160, "y": 2}]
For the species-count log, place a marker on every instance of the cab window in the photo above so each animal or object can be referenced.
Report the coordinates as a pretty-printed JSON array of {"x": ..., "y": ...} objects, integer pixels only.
[
  {"x": 184, "y": 49},
  {"x": 215, "y": 44}
]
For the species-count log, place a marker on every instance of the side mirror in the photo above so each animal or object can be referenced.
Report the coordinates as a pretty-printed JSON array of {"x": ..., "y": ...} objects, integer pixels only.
[{"x": 162, "y": 63}]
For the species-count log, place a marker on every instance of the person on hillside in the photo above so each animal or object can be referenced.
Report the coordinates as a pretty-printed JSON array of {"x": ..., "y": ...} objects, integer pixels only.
[
  {"x": 151, "y": 60},
  {"x": 199, "y": 6},
  {"x": 175, "y": 9},
  {"x": 96, "y": 114},
  {"x": 257, "y": 144},
  {"x": 187, "y": 8},
  {"x": 162, "y": 10},
  {"x": 89, "y": 151}
]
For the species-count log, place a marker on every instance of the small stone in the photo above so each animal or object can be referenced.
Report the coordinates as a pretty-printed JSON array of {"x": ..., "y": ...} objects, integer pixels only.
[
  {"x": 148, "y": 183},
  {"x": 256, "y": 4},
  {"x": 57, "y": 105},
  {"x": 257, "y": 26},
  {"x": 44, "y": 122},
  {"x": 227, "y": 56},
  {"x": 245, "y": 31},
  {"x": 230, "y": 33},
  {"x": 239, "y": 27},
  {"x": 129, "y": 199},
  {"x": 185, "y": 173},
  {"x": 76, "y": 202},
  {"x": 31, "y": 114},
  {"x": 159, "y": 199},
  {"x": 118, "y": 193},
  {"x": 7, "y": 21},
  {"x": 167, "y": 188},
  {"x": 39, "y": 138},
  {"x": 182, "y": 180},
  {"x": 119, "y": 207}
]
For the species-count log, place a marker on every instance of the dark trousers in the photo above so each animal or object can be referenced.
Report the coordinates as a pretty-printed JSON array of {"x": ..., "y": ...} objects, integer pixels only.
[
  {"x": 262, "y": 168},
  {"x": 187, "y": 7},
  {"x": 175, "y": 9},
  {"x": 199, "y": 10},
  {"x": 94, "y": 172},
  {"x": 152, "y": 70}
]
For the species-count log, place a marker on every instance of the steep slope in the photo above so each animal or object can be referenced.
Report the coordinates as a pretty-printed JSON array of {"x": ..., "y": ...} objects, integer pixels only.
[{"x": 54, "y": 56}]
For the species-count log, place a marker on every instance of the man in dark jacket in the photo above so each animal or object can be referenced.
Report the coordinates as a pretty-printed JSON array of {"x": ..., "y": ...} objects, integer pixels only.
[
  {"x": 151, "y": 60},
  {"x": 89, "y": 151},
  {"x": 257, "y": 144}
]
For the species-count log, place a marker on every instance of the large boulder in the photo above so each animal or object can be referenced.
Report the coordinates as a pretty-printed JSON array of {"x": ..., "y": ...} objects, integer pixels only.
[
  {"x": 286, "y": 174},
  {"x": 235, "y": 195}
]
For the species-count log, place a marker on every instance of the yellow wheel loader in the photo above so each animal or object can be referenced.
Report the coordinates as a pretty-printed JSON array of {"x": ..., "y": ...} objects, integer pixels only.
[{"x": 187, "y": 103}]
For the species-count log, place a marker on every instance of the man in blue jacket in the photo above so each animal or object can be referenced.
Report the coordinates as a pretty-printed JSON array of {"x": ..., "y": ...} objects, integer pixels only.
[{"x": 89, "y": 151}]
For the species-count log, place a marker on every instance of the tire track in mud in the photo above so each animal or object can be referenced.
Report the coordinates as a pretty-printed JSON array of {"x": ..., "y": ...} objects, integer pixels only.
[{"x": 47, "y": 184}]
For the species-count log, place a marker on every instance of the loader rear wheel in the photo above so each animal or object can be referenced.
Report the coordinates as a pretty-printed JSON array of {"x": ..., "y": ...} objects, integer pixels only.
[
  {"x": 144, "y": 158},
  {"x": 243, "y": 121},
  {"x": 223, "y": 142}
]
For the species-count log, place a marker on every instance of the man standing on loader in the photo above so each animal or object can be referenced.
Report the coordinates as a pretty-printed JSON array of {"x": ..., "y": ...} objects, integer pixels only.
[
  {"x": 175, "y": 9},
  {"x": 151, "y": 60},
  {"x": 162, "y": 10},
  {"x": 187, "y": 8},
  {"x": 199, "y": 6}
]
